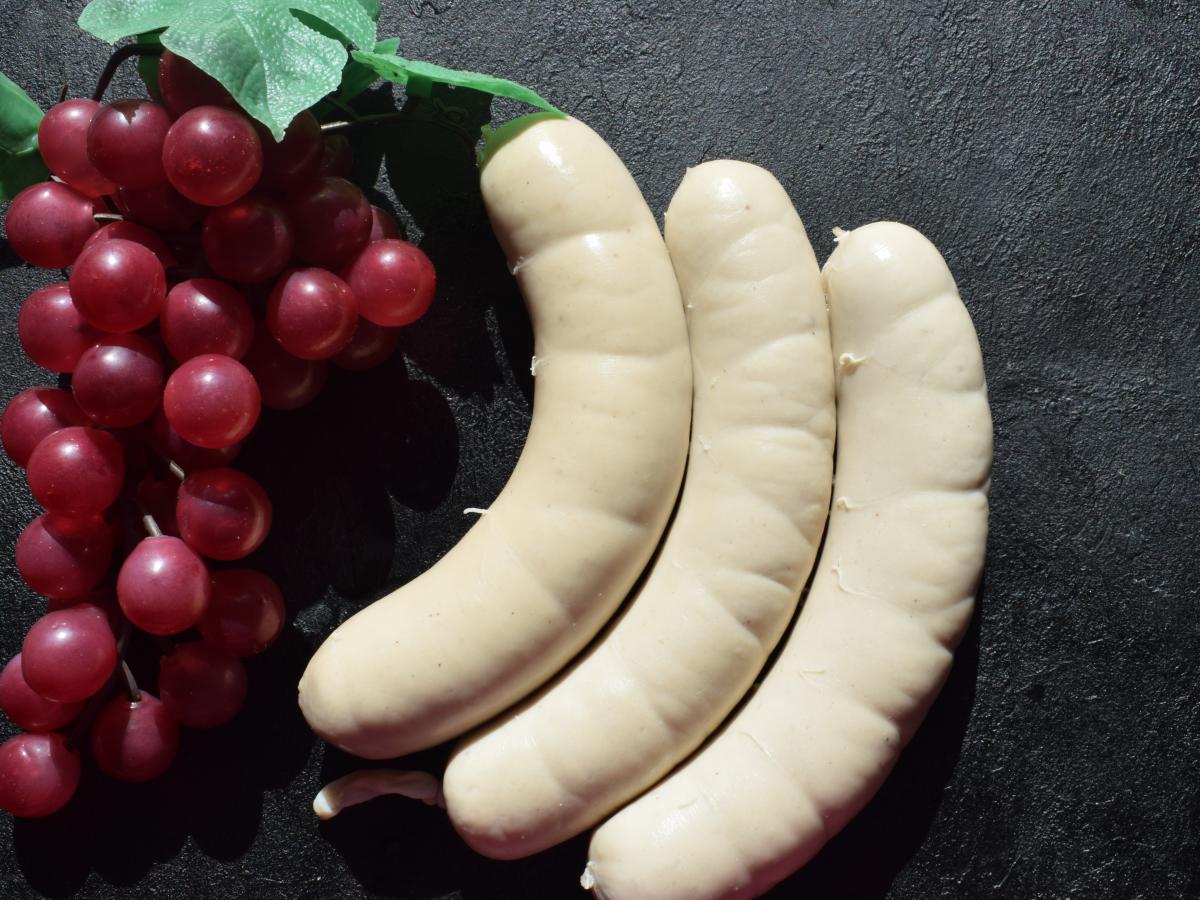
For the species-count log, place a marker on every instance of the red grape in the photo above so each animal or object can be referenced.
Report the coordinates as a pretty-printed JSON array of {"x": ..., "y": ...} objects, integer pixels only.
[
  {"x": 212, "y": 155},
  {"x": 312, "y": 313},
  {"x": 384, "y": 225},
  {"x": 118, "y": 285},
  {"x": 77, "y": 471},
  {"x": 134, "y": 740},
  {"x": 245, "y": 614},
  {"x": 69, "y": 654},
  {"x": 62, "y": 141},
  {"x": 371, "y": 346},
  {"x": 250, "y": 240},
  {"x": 163, "y": 586},
  {"x": 284, "y": 381},
  {"x": 159, "y": 206},
  {"x": 337, "y": 156},
  {"x": 38, "y": 774},
  {"x": 201, "y": 686},
  {"x": 203, "y": 315},
  {"x": 158, "y": 496},
  {"x": 296, "y": 158},
  {"x": 32, "y": 415},
  {"x": 212, "y": 401},
  {"x": 26, "y": 707},
  {"x": 394, "y": 282},
  {"x": 331, "y": 220},
  {"x": 103, "y": 597},
  {"x": 171, "y": 444},
  {"x": 183, "y": 86},
  {"x": 223, "y": 513},
  {"x": 131, "y": 231},
  {"x": 119, "y": 381},
  {"x": 51, "y": 330},
  {"x": 63, "y": 557},
  {"x": 48, "y": 224},
  {"x": 125, "y": 142}
]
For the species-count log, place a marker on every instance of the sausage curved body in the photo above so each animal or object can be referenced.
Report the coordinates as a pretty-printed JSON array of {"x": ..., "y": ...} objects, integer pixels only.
[
  {"x": 890, "y": 599},
  {"x": 726, "y": 580},
  {"x": 539, "y": 574}
]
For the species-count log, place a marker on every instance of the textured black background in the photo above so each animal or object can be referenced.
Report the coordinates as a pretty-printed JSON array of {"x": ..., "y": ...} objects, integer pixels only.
[{"x": 1049, "y": 148}]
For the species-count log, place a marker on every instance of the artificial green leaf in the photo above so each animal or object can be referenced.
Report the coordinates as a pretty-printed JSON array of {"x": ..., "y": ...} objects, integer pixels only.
[
  {"x": 111, "y": 20},
  {"x": 19, "y": 118},
  {"x": 372, "y": 8},
  {"x": 19, "y": 170},
  {"x": 418, "y": 77},
  {"x": 20, "y": 163},
  {"x": 359, "y": 76},
  {"x": 273, "y": 64}
]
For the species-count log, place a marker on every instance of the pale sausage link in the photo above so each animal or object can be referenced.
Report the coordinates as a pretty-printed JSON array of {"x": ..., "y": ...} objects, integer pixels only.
[
  {"x": 529, "y": 585},
  {"x": 891, "y": 597},
  {"x": 726, "y": 581}
]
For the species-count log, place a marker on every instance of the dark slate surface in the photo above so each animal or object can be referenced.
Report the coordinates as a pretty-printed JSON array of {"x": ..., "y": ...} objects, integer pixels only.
[{"x": 1049, "y": 148}]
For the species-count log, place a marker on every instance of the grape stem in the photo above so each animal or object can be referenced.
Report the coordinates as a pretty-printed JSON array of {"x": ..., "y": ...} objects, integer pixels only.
[
  {"x": 444, "y": 119},
  {"x": 131, "y": 685},
  {"x": 119, "y": 56},
  {"x": 108, "y": 217}
]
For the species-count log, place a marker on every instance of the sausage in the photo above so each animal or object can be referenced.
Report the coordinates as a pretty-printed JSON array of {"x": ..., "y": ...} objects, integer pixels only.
[
  {"x": 545, "y": 567},
  {"x": 726, "y": 581},
  {"x": 890, "y": 599}
]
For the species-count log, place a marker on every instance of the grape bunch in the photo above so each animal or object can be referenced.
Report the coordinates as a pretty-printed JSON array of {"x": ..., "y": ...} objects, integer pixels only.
[{"x": 231, "y": 271}]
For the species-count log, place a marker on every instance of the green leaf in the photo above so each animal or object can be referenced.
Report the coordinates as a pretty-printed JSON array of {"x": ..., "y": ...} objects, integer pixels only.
[
  {"x": 111, "y": 20},
  {"x": 418, "y": 77},
  {"x": 273, "y": 63},
  {"x": 20, "y": 163},
  {"x": 359, "y": 76},
  {"x": 19, "y": 118},
  {"x": 19, "y": 171}
]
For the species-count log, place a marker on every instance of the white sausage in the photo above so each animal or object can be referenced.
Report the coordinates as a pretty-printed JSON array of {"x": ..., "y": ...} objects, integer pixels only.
[
  {"x": 559, "y": 549},
  {"x": 741, "y": 545},
  {"x": 891, "y": 597}
]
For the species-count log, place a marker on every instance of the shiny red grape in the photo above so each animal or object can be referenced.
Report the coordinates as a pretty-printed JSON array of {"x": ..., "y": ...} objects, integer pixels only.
[
  {"x": 372, "y": 345},
  {"x": 245, "y": 614},
  {"x": 38, "y": 774},
  {"x": 337, "y": 156},
  {"x": 77, "y": 471},
  {"x": 118, "y": 285},
  {"x": 48, "y": 224},
  {"x": 103, "y": 597},
  {"x": 212, "y": 155},
  {"x": 250, "y": 240},
  {"x": 163, "y": 586},
  {"x": 223, "y": 513},
  {"x": 201, "y": 686},
  {"x": 125, "y": 142},
  {"x": 331, "y": 219},
  {"x": 32, "y": 415},
  {"x": 212, "y": 401},
  {"x": 119, "y": 381},
  {"x": 135, "y": 740},
  {"x": 284, "y": 381},
  {"x": 126, "y": 230},
  {"x": 312, "y": 313},
  {"x": 394, "y": 282},
  {"x": 28, "y": 709},
  {"x": 296, "y": 158},
  {"x": 51, "y": 330},
  {"x": 204, "y": 315},
  {"x": 184, "y": 86},
  {"x": 384, "y": 225},
  {"x": 172, "y": 445},
  {"x": 69, "y": 654},
  {"x": 62, "y": 557},
  {"x": 159, "y": 206},
  {"x": 62, "y": 142}
]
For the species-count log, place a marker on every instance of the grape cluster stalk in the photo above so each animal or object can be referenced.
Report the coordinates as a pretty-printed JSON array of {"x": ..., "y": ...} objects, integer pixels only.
[{"x": 212, "y": 271}]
